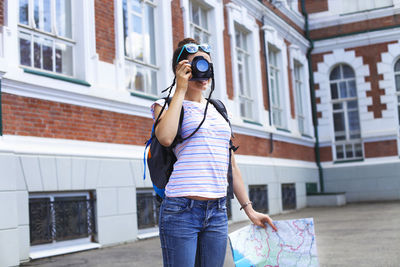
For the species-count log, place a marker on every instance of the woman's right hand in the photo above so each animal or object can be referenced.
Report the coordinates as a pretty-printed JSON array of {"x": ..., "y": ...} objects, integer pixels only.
[{"x": 183, "y": 74}]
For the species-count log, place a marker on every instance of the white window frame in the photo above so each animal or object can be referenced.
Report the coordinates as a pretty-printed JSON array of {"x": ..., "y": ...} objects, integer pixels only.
[
  {"x": 343, "y": 102},
  {"x": 238, "y": 15},
  {"x": 131, "y": 63},
  {"x": 203, "y": 11},
  {"x": 299, "y": 96},
  {"x": 34, "y": 31},
  {"x": 215, "y": 19},
  {"x": 397, "y": 96},
  {"x": 275, "y": 87}
]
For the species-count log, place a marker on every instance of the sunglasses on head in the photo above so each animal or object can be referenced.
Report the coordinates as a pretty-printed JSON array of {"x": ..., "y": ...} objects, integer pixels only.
[{"x": 193, "y": 48}]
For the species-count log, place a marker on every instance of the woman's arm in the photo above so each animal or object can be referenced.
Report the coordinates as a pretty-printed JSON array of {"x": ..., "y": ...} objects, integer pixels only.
[
  {"x": 169, "y": 121},
  {"x": 240, "y": 192}
]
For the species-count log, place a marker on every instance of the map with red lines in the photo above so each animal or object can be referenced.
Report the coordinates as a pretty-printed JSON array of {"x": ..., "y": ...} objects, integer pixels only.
[{"x": 293, "y": 245}]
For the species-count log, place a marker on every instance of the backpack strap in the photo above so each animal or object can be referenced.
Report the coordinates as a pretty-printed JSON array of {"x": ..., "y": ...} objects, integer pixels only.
[{"x": 178, "y": 137}]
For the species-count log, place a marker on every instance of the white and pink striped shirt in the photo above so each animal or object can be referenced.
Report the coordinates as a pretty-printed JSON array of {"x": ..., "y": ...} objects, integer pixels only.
[{"x": 202, "y": 160}]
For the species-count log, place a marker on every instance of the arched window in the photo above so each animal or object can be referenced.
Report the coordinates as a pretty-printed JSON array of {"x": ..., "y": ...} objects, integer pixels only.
[
  {"x": 346, "y": 120},
  {"x": 397, "y": 81}
]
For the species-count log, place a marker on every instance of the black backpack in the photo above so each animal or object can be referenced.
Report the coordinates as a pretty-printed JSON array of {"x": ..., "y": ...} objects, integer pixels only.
[{"x": 161, "y": 159}]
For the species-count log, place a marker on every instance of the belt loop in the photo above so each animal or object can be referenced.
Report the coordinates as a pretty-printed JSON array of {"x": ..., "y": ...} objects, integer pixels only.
[
  {"x": 219, "y": 203},
  {"x": 191, "y": 203}
]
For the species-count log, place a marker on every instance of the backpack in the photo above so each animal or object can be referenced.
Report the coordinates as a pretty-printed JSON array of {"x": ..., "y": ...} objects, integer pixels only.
[{"x": 161, "y": 159}]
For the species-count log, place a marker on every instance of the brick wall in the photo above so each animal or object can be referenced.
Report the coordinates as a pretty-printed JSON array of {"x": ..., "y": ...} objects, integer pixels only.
[
  {"x": 35, "y": 117},
  {"x": 228, "y": 55},
  {"x": 178, "y": 32},
  {"x": 317, "y": 58},
  {"x": 264, "y": 73},
  {"x": 315, "y": 6},
  {"x": 1, "y": 12},
  {"x": 105, "y": 36},
  {"x": 256, "y": 146},
  {"x": 371, "y": 55},
  {"x": 325, "y": 153},
  {"x": 365, "y": 25},
  {"x": 380, "y": 149},
  {"x": 290, "y": 80}
]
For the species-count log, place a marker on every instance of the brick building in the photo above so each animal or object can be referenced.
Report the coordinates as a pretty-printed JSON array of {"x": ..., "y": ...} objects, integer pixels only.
[{"x": 78, "y": 78}]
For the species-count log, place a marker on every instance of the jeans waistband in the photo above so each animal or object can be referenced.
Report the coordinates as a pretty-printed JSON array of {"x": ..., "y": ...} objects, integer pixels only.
[{"x": 199, "y": 203}]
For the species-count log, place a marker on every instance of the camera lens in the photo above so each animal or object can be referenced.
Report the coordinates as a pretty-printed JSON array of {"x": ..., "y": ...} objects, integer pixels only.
[{"x": 202, "y": 65}]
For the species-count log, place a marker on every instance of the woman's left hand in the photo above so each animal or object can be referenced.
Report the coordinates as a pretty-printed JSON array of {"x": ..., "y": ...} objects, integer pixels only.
[{"x": 261, "y": 219}]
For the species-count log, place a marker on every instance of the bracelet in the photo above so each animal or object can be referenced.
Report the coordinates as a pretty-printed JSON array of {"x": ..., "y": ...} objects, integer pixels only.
[{"x": 245, "y": 205}]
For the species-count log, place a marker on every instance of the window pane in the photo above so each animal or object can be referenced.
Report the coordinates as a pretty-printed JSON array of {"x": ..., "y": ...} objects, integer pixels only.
[
  {"x": 288, "y": 196},
  {"x": 150, "y": 38},
  {"x": 25, "y": 49},
  {"x": 339, "y": 152},
  {"x": 338, "y": 106},
  {"x": 195, "y": 14},
  {"x": 334, "y": 91},
  {"x": 46, "y": 15},
  {"x": 259, "y": 195},
  {"x": 37, "y": 53},
  {"x": 352, "y": 104},
  {"x": 347, "y": 72},
  {"x": 23, "y": 12},
  {"x": 63, "y": 16},
  {"x": 64, "y": 57},
  {"x": 358, "y": 150},
  {"x": 135, "y": 6},
  {"x": 153, "y": 82},
  {"x": 349, "y": 151},
  {"x": 139, "y": 80},
  {"x": 397, "y": 77},
  {"x": 351, "y": 85},
  {"x": 47, "y": 52},
  {"x": 343, "y": 90},
  {"x": 204, "y": 23},
  {"x": 36, "y": 14},
  {"x": 40, "y": 221},
  {"x": 397, "y": 66},
  {"x": 338, "y": 119},
  {"x": 335, "y": 74}
]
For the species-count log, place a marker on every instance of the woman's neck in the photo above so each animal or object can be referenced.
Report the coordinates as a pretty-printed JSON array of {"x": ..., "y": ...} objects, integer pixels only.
[{"x": 195, "y": 96}]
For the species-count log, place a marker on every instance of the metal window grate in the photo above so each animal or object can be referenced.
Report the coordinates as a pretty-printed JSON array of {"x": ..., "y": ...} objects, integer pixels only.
[
  {"x": 148, "y": 209},
  {"x": 61, "y": 218},
  {"x": 288, "y": 196},
  {"x": 259, "y": 196}
]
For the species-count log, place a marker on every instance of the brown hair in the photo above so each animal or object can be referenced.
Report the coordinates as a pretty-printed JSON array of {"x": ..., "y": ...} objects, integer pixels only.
[{"x": 184, "y": 54}]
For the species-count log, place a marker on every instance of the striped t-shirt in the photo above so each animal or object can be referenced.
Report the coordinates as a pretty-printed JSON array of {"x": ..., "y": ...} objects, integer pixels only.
[{"x": 202, "y": 160}]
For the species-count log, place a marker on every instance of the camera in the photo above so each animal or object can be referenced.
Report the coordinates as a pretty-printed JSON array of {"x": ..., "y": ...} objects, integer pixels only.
[{"x": 201, "y": 69}]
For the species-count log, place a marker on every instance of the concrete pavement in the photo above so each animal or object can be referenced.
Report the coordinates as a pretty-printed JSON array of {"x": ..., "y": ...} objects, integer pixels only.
[{"x": 364, "y": 234}]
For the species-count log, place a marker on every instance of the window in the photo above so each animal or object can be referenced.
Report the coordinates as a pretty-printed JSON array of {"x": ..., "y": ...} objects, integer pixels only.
[
  {"x": 242, "y": 59},
  {"x": 140, "y": 46},
  {"x": 300, "y": 101},
  {"x": 397, "y": 81},
  {"x": 363, "y": 5},
  {"x": 199, "y": 22},
  {"x": 346, "y": 120},
  {"x": 288, "y": 196},
  {"x": 275, "y": 87},
  {"x": 259, "y": 196},
  {"x": 45, "y": 35},
  {"x": 59, "y": 217},
  {"x": 148, "y": 208}
]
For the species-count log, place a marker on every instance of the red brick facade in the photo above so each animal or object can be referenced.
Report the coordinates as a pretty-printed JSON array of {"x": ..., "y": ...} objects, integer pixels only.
[
  {"x": 315, "y": 6},
  {"x": 360, "y": 26},
  {"x": 380, "y": 149},
  {"x": 256, "y": 146},
  {"x": 264, "y": 78},
  {"x": 178, "y": 32},
  {"x": 1, "y": 12},
  {"x": 228, "y": 55},
  {"x": 371, "y": 55},
  {"x": 325, "y": 153},
  {"x": 105, "y": 34},
  {"x": 290, "y": 80}
]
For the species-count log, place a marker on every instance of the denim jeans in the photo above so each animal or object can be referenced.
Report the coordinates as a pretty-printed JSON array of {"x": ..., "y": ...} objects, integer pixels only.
[{"x": 193, "y": 232}]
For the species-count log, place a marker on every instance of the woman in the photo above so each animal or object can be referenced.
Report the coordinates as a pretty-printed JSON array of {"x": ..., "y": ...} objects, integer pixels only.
[{"x": 193, "y": 220}]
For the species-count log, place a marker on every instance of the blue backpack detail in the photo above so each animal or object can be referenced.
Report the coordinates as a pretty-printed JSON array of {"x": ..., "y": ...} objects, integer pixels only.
[{"x": 161, "y": 159}]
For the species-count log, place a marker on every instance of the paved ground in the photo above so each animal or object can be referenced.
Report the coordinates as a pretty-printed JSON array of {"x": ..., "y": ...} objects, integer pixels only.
[{"x": 366, "y": 234}]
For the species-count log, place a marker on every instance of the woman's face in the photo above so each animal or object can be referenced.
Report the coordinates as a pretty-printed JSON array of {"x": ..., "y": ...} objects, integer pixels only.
[{"x": 198, "y": 85}]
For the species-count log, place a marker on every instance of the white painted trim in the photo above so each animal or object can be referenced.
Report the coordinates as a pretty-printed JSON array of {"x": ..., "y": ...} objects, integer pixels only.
[
  {"x": 59, "y": 248},
  {"x": 379, "y": 138},
  {"x": 365, "y": 162},
  {"x": 263, "y": 161},
  {"x": 328, "y": 19},
  {"x": 67, "y": 148},
  {"x": 356, "y": 40}
]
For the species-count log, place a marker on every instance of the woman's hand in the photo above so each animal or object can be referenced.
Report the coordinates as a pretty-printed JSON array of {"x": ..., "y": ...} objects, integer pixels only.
[
  {"x": 260, "y": 219},
  {"x": 183, "y": 74}
]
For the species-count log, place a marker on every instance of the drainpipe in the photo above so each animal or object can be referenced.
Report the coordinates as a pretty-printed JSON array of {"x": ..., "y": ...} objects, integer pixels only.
[
  {"x": 271, "y": 138},
  {"x": 312, "y": 93}
]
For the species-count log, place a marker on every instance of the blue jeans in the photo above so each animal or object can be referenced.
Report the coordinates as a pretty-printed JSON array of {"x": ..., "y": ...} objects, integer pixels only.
[{"x": 193, "y": 232}]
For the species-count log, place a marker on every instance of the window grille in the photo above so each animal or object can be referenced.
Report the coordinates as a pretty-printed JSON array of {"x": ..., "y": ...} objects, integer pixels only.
[
  {"x": 148, "y": 208},
  {"x": 288, "y": 196},
  {"x": 259, "y": 196},
  {"x": 54, "y": 218}
]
